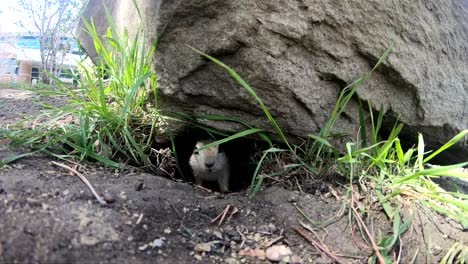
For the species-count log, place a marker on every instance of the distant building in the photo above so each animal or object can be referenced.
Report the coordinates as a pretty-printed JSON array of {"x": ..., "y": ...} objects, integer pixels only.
[{"x": 20, "y": 58}]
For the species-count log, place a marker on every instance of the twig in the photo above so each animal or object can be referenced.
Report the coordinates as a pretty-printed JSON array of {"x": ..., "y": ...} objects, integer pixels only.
[
  {"x": 374, "y": 246},
  {"x": 235, "y": 210},
  {"x": 84, "y": 180},
  {"x": 139, "y": 219},
  {"x": 415, "y": 256},
  {"x": 400, "y": 250},
  {"x": 203, "y": 188},
  {"x": 221, "y": 216},
  {"x": 243, "y": 237},
  {"x": 271, "y": 242},
  {"x": 350, "y": 256},
  {"x": 310, "y": 229},
  {"x": 318, "y": 246}
]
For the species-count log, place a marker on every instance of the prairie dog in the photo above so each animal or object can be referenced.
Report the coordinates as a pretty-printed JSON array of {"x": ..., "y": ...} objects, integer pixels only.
[{"x": 210, "y": 165}]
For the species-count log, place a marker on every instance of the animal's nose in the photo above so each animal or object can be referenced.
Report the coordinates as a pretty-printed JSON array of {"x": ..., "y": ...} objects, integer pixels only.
[{"x": 209, "y": 164}]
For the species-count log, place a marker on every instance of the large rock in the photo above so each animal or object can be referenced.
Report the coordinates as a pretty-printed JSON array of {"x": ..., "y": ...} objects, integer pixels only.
[{"x": 298, "y": 55}]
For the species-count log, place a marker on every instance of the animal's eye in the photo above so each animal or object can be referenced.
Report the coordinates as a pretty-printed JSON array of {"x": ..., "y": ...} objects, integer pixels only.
[{"x": 195, "y": 151}]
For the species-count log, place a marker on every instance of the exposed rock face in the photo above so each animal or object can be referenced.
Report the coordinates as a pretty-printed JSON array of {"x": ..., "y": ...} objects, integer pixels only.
[{"x": 298, "y": 55}]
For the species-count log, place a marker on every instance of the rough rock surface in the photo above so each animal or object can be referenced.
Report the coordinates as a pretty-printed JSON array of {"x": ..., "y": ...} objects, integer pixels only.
[{"x": 298, "y": 55}]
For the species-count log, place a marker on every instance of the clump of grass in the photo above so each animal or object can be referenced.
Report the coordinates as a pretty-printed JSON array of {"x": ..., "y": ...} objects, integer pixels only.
[
  {"x": 458, "y": 253},
  {"x": 393, "y": 171},
  {"x": 112, "y": 114}
]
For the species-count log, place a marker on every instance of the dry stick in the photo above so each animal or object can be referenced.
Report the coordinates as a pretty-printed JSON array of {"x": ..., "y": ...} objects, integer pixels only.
[
  {"x": 224, "y": 215},
  {"x": 400, "y": 250},
  {"x": 271, "y": 242},
  {"x": 314, "y": 243},
  {"x": 221, "y": 216},
  {"x": 84, "y": 180},
  {"x": 234, "y": 211},
  {"x": 415, "y": 256},
  {"x": 374, "y": 246}
]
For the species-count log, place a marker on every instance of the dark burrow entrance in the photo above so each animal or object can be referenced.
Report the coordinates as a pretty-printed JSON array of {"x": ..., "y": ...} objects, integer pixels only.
[{"x": 241, "y": 154}]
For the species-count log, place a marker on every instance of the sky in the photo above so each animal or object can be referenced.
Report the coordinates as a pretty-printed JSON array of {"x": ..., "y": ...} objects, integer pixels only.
[{"x": 8, "y": 17}]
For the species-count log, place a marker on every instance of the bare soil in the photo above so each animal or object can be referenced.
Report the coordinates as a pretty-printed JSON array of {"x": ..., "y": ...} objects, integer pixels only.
[{"x": 47, "y": 215}]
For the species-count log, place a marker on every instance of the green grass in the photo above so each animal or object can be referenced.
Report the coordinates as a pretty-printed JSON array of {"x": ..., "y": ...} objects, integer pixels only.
[
  {"x": 115, "y": 118},
  {"x": 384, "y": 164}
]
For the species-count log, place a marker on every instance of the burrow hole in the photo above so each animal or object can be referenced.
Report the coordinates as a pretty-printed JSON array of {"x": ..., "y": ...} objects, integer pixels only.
[{"x": 242, "y": 154}]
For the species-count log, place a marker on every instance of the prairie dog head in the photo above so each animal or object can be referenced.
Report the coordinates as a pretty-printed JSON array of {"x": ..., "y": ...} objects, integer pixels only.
[{"x": 209, "y": 159}]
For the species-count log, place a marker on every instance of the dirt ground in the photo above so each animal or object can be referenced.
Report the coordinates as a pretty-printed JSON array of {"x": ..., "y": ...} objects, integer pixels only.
[{"x": 47, "y": 215}]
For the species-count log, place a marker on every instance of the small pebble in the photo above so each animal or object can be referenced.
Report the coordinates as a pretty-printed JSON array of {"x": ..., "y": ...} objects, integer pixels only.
[
  {"x": 203, "y": 247},
  {"x": 257, "y": 237},
  {"x": 109, "y": 198},
  {"x": 272, "y": 227},
  {"x": 217, "y": 234},
  {"x": 141, "y": 248},
  {"x": 231, "y": 261},
  {"x": 157, "y": 243},
  {"x": 293, "y": 197},
  {"x": 277, "y": 252},
  {"x": 33, "y": 201}
]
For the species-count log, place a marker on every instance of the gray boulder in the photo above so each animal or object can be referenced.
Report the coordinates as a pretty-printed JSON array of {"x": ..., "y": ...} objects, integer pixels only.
[{"x": 298, "y": 56}]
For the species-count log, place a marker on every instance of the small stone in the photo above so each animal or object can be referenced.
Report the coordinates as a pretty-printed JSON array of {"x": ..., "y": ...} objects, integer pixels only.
[
  {"x": 66, "y": 192},
  {"x": 143, "y": 247},
  {"x": 109, "y": 198},
  {"x": 33, "y": 201},
  {"x": 263, "y": 229},
  {"x": 272, "y": 227},
  {"x": 231, "y": 261},
  {"x": 257, "y": 237},
  {"x": 277, "y": 252},
  {"x": 167, "y": 231},
  {"x": 217, "y": 234},
  {"x": 85, "y": 221},
  {"x": 293, "y": 198},
  {"x": 203, "y": 247},
  {"x": 198, "y": 257},
  {"x": 436, "y": 250},
  {"x": 157, "y": 243},
  {"x": 243, "y": 252}
]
